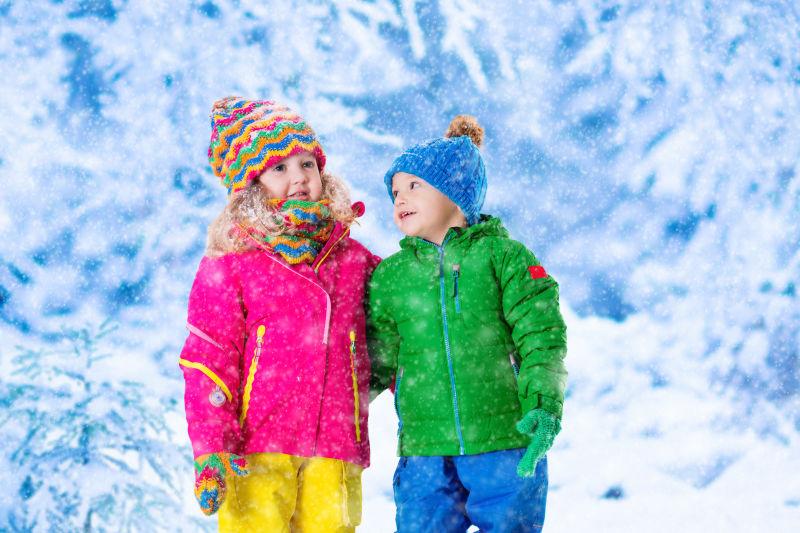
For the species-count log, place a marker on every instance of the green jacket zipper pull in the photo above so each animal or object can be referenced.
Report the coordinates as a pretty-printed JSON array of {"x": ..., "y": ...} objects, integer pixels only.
[
  {"x": 514, "y": 364},
  {"x": 456, "y": 273}
]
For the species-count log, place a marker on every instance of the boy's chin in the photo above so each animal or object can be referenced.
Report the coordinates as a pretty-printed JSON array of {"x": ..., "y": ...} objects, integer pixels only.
[{"x": 407, "y": 231}]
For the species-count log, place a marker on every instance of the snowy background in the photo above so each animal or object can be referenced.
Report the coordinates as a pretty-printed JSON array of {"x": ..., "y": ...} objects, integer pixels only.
[{"x": 647, "y": 151}]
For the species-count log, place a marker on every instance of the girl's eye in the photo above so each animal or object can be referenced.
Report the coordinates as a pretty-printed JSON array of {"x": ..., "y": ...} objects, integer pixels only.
[
  {"x": 309, "y": 164},
  {"x": 279, "y": 168}
]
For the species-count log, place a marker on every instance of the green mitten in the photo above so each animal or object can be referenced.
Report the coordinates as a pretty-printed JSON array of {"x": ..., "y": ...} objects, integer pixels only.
[
  {"x": 542, "y": 427},
  {"x": 211, "y": 471}
]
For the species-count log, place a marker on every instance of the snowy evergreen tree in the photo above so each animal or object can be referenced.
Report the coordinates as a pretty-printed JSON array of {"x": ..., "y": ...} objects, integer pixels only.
[{"x": 83, "y": 451}]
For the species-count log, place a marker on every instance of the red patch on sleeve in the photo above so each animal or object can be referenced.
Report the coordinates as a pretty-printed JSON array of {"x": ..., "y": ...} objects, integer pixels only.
[{"x": 537, "y": 272}]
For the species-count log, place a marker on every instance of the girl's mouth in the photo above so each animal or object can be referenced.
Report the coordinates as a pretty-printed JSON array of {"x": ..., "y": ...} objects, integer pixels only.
[{"x": 299, "y": 195}]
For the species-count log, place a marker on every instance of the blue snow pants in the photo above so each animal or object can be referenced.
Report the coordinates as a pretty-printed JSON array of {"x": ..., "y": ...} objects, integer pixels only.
[{"x": 448, "y": 494}]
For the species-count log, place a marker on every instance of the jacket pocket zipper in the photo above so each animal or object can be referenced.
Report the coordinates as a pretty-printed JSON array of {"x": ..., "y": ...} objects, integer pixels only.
[
  {"x": 456, "y": 273},
  {"x": 251, "y": 376},
  {"x": 356, "y": 403},
  {"x": 398, "y": 380},
  {"x": 514, "y": 364}
]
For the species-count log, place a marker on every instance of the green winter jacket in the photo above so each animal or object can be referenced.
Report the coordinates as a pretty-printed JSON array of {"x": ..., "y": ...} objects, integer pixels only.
[{"x": 449, "y": 326}]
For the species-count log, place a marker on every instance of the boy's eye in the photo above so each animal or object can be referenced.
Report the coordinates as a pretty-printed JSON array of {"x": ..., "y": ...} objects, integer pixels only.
[
  {"x": 414, "y": 185},
  {"x": 394, "y": 194}
]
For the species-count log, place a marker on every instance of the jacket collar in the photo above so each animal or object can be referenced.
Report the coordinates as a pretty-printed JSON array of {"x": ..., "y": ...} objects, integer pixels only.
[
  {"x": 488, "y": 226},
  {"x": 339, "y": 232},
  {"x": 337, "y": 235}
]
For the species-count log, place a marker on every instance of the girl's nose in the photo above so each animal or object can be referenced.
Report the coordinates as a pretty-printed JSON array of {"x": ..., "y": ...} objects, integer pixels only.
[{"x": 298, "y": 176}]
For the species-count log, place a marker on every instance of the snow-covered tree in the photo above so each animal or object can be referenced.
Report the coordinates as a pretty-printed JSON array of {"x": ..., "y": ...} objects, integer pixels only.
[{"x": 84, "y": 450}]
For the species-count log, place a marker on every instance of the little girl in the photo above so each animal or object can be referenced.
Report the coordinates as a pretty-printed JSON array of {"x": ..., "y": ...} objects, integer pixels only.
[{"x": 276, "y": 369}]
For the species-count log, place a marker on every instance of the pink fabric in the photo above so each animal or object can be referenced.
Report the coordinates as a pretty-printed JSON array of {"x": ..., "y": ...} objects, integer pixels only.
[{"x": 302, "y": 400}]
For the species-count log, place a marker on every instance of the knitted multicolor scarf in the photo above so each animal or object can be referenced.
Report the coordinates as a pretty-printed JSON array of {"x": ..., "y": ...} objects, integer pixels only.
[{"x": 306, "y": 226}]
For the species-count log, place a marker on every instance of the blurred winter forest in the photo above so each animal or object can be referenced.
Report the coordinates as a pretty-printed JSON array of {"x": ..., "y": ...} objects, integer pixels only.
[{"x": 646, "y": 151}]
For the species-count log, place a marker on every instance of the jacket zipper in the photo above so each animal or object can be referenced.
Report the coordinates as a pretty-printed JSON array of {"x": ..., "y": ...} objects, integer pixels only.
[
  {"x": 514, "y": 364},
  {"x": 456, "y": 273},
  {"x": 443, "y": 299},
  {"x": 328, "y": 252},
  {"x": 355, "y": 384},
  {"x": 327, "y": 297},
  {"x": 251, "y": 376},
  {"x": 398, "y": 380}
]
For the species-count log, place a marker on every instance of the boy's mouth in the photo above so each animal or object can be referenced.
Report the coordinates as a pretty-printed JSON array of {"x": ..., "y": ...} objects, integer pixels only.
[{"x": 405, "y": 214}]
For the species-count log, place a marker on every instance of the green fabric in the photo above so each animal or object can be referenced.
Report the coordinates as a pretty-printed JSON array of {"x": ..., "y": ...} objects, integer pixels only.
[
  {"x": 499, "y": 311},
  {"x": 542, "y": 427}
]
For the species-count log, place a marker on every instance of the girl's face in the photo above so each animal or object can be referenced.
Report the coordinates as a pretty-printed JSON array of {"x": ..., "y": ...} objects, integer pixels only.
[
  {"x": 420, "y": 210},
  {"x": 294, "y": 178}
]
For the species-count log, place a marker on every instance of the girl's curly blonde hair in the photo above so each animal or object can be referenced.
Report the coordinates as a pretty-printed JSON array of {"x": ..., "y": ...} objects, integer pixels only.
[{"x": 249, "y": 208}]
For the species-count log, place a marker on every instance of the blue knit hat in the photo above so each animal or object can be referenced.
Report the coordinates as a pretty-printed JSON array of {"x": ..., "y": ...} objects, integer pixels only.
[{"x": 452, "y": 164}]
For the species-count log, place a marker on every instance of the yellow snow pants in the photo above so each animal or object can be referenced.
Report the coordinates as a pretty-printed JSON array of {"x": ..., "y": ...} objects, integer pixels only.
[{"x": 284, "y": 493}]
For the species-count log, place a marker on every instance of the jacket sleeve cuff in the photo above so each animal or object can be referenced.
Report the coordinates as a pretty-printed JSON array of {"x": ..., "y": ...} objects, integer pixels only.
[
  {"x": 537, "y": 401},
  {"x": 210, "y": 439}
]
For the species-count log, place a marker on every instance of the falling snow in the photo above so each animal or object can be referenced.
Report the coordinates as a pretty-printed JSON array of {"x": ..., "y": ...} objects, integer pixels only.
[{"x": 647, "y": 152}]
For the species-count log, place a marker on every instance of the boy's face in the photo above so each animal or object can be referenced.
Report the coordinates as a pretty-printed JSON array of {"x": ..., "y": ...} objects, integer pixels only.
[
  {"x": 294, "y": 178},
  {"x": 420, "y": 210}
]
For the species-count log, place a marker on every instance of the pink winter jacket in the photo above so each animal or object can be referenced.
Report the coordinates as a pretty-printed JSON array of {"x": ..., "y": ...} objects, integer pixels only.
[{"x": 276, "y": 358}]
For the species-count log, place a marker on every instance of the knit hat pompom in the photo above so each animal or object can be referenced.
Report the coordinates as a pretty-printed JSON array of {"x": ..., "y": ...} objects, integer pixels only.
[
  {"x": 466, "y": 125},
  {"x": 222, "y": 104}
]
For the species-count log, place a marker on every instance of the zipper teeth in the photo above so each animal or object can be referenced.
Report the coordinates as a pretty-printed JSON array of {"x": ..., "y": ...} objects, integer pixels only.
[
  {"x": 456, "y": 274},
  {"x": 324, "y": 257},
  {"x": 252, "y": 374},
  {"x": 514, "y": 365},
  {"x": 447, "y": 348},
  {"x": 397, "y": 401},
  {"x": 357, "y": 407}
]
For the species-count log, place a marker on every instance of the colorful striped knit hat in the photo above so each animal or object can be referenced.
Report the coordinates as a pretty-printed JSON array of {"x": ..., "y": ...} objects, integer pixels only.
[{"x": 248, "y": 136}]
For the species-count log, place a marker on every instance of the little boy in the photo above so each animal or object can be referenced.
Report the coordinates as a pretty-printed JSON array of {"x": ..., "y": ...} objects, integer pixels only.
[{"x": 465, "y": 324}]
